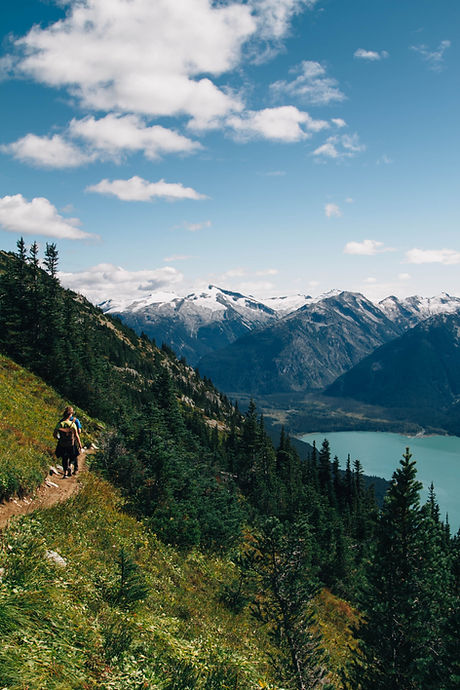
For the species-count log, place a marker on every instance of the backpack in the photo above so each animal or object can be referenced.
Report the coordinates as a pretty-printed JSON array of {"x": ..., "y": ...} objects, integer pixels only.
[{"x": 66, "y": 437}]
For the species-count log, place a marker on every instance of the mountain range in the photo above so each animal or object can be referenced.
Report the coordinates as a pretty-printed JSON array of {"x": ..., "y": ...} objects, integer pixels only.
[
  {"x": 280, "y": 344},
  {"x": 200, "y": 322}
]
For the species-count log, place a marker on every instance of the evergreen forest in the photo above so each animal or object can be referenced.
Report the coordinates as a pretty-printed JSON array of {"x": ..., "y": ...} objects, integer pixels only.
[{"x": 195, "y": 503}]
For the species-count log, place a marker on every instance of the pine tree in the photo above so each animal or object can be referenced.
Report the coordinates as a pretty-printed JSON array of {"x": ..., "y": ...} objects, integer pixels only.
[
  {"x": 324, "y": 470},
  {"x": 407, "y": 597},
  {"x": 283, "y": 578}
]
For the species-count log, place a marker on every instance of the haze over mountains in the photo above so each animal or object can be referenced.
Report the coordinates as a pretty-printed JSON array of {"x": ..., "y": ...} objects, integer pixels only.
[{"x": 280, "y": 344}]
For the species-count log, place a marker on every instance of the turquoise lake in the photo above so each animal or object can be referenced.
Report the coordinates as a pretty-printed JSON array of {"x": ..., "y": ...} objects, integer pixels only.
[{"x": 437, "y": 457}]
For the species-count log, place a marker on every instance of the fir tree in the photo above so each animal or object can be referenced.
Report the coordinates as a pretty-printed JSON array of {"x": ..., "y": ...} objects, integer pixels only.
[
  {"x": 281, "y": 567},
  {"x": 406, "y": 600}
]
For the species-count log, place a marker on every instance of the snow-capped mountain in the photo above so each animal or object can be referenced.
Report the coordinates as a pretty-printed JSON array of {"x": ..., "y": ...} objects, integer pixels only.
[
  {"x": 206, "y": 321},
  {"x": 304, "y": 350},
  {"x": 410, "y": 311},
  {"x": 197, "y": 323}
]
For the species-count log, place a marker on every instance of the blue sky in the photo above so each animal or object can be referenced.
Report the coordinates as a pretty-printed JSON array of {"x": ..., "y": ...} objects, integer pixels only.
[{"x": 267, "y": 146}]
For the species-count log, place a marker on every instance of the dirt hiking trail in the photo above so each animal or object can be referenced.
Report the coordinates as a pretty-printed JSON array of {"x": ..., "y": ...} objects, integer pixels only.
[{"x": 53, "y": 490}]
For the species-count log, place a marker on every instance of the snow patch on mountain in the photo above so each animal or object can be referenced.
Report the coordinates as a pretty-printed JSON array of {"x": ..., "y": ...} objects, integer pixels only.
[{"x": 416, "y": 308}]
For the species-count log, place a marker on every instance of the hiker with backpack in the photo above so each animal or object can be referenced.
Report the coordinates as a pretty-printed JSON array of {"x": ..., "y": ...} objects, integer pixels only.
[{"x": 68, "y": 442}]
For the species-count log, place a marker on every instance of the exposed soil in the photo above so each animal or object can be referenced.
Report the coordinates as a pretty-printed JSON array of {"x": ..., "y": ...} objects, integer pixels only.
[{"x": 54, "y": 490}]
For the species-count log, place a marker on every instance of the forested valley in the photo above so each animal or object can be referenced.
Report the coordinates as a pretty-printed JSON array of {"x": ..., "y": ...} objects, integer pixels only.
[{"x": 327, "y": 589}]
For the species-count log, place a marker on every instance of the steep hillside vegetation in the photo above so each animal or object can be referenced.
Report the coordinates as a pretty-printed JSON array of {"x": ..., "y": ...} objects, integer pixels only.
[
  {"x": 417, "y": 375},
  {"x": 29, "y": 412}
]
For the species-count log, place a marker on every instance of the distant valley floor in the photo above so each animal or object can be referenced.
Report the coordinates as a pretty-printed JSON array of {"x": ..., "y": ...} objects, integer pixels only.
[{"x": 305, "y": 413}]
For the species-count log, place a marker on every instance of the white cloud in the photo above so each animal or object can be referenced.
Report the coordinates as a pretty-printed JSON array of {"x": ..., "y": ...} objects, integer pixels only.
[
  {"x": 371, "y": 280},
  {"x": 366, "y": 248},
  {"x": 285, "y": 123},
  {"x": 89, "y": 51},
  {"x": 273, "y": 16},
  {"x": 349, "y": 200},
  {"x": 138, "y": 189},
  {"x": 194, "y": 227},
  {"x": 404, "y": 276},
  {"x": 338, "y": 122},
  {"x": 106, "y": 281},
  {"x": 371, "y": 55},
  {"x": 181, "y": 47},
  {"x": 178, "y": 257},
  {"x": 448, "y": 257},
  {"x": 38, "y": 217},
  {"x": 338, "y": 147},
  {"x": 117, "y": 133},
  {"x": 384, "y": 160},
  {"x": 434, "y": 58},
  {"x": 332, "y": 211},
  {"x": 233, "y": 273},
  {"x": 47, "y": 152},
  {"x": 268, "y": 272},
  {"x": 311, "y": 84}
]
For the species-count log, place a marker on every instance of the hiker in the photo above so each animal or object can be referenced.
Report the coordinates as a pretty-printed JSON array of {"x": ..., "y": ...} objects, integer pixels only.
[{"x": 69, "y": 444}]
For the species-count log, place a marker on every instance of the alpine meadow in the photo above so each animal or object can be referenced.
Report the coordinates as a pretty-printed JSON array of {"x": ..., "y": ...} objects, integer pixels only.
[{"x": 229, "y": 227}]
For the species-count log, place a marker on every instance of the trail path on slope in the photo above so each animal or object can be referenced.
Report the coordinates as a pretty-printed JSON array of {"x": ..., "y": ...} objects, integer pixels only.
[{"x": 53, "y": 490}]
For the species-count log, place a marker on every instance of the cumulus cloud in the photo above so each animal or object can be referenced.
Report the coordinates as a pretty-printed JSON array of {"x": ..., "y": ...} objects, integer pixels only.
[
  {"x": 138, "y": 189},
  {"x": 366, "y": 248},
  {"x": 38, "y": 217},
  {"x": 47, "y": 152},
  {"x": 338, "y": 147},
  {"x": 285, "y": 123},
  {"x": 89, "y": 52},
  {"x": 106, "y": 281},
  {"x": 448, "y": 257},
  {"x": 109, "y": 136},
  {"x": 433, "y": 58},
  {"x": 338, "y": 122},
  {"x": 332, "y": 211},
  {"x": 311, "y": 84},
  {"x": 177, "y": 43},
  {"x": 370, "y": 55},
  {"x": 117, "y": 133}
]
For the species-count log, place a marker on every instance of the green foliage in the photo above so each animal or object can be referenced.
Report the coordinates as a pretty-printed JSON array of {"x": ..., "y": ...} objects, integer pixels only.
[
  {"x": 279, "y": 562},
  {"x": 409, "y": 594},
  {"x": 121, "y": 611}
]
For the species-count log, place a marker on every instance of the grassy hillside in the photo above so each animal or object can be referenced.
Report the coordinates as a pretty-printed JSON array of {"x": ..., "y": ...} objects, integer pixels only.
[
  {"x": 30, "y": 410},
  {"x": 79, "y": 624},
  {"x": 90, "y": 598}
]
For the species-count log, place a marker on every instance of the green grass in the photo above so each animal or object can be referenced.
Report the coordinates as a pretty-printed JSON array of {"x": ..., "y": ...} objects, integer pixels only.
[
  {"x": 62, "y": 627},
  {"x": 29, "y": 412}
]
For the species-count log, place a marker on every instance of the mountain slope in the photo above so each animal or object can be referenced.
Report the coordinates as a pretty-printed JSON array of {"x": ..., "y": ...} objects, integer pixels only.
[
  {"x": 303, "y": 351},
  {"x": 420, "y": 370},
  {"x": 196, "y": 324},
  {"x": 412, "y": 310}
]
